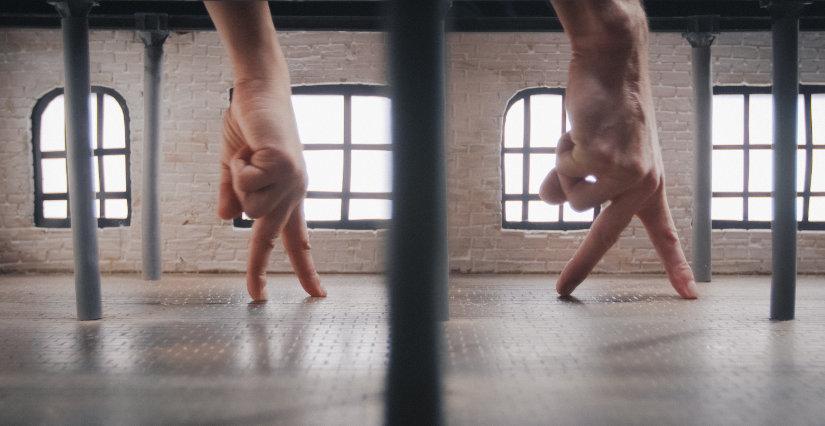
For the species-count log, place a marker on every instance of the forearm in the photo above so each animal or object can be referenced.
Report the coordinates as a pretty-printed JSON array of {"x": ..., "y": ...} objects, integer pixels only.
[{"x": 247, "y": 32}]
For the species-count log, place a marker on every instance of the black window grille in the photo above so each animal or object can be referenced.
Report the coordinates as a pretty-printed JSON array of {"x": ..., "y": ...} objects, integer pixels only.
[
  {"x": 347, "y": 146},
  {"x": 534, "y": 121},
  {"x": 110, "y": 140},
  {"x": 742, "y": 158}
]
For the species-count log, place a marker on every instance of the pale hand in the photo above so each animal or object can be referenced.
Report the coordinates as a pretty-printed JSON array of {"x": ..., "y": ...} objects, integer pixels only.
[{"x": 263, "y": 174}]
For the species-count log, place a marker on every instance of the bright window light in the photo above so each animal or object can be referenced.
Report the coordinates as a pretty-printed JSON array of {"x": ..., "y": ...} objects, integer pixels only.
[
  {"x": 540, "y": 166},
  {"x": 54, "y": 176},
  {"x": 369, "y": 209},
  {"x": 325, "y": 170},
  {"x": 514, "y": 125},
  {"x": 545, "y": 120},
  {"x": 370, "y": 120},
  {"x": 321, "y": 209},
  {"x": 760, "y": 208},
  {"x": 530, "y": 156},
  {"x": 55, "y": 209},
  {"x": 725, "y": 208},
  {"x": 513, "y": 173},
  {"x": 346, "y": 135},
  {"x": 539, "y": 211},
  {"x": 108, "y": 118},
  {"x": 371, "y": 171},
  {"x": 760, "y": 121},
  {"x": 818, "y": 118},
  {"x": 114, "y": 124},
  {"x": 742, "y": 198},
  {"x": 52, "y": 127},
  {"x": 320, "y": 118},
  {"x": 728, "y": 119},
  {"x": 512, "y": 211},
  {"x": 818, "y": 172},
  {"x": 727, "y": 170},
  {"x": 760, "y": 174}
]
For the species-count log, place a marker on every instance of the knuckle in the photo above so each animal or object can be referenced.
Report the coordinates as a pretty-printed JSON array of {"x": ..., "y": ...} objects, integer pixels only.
[
  {"x": 254, "y": 210},
  {"x": 578, "y": 203},
  {"x": 284, "y": 167},
  {"x": 650, "y": 181},
  {"x": 300, "y": 180},
  {"x": 549, "y": 195},
  {"x": 246, "y": 184},
  {"x": 266, "y": 242},
  {"x": 669, "y": 237}
]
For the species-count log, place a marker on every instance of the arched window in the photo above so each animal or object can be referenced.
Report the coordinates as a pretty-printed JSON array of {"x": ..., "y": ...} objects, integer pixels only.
[
  {"x": 535, "y": 120},
  {"x": 345, "y": 131},
  {"x": 110, "y": 140},
  {"x": 742, "y": 163}
]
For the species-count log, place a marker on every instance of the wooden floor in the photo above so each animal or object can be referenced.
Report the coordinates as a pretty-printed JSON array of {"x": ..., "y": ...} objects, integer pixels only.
[{"x": 190, "y": 349}]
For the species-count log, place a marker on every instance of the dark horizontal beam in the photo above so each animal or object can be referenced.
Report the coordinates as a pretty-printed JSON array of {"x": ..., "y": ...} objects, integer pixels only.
[
  {"x": 376, "y": 23},
  {"x": 368, "y": 15}
]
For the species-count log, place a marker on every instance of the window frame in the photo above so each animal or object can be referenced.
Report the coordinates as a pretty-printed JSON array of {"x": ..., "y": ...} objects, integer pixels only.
[
  {"x": 98, "y": 153},
  {"x": 526, "y": 150},
  {"x": 347, "y": 147},
  {"x": 808, "y": 147}
]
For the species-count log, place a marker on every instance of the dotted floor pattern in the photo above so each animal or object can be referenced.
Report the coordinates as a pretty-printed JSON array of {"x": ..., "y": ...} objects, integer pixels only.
[{"x": 191, "y": 349}]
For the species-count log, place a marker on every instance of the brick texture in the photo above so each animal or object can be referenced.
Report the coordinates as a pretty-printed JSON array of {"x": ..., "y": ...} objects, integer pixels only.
[{"x": 486, "y": 70}]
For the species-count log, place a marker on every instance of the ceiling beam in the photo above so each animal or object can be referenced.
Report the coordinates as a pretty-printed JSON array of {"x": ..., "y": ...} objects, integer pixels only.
[{"x": 368, "y": 15}]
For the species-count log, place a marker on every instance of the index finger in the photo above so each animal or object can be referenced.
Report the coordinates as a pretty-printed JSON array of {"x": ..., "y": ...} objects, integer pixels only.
[
  {"x": 296, "y": 244},
  {"x": 264, "y": 232},
  {"x": 604, "y": 233}
]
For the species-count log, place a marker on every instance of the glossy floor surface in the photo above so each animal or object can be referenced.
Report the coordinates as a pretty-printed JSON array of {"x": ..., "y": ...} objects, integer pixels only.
[{"x": 190, "y": 349}]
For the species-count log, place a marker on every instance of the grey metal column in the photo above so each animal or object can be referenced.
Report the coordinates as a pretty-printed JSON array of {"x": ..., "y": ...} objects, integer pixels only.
[
  {"x": 418, "y": 249},
  {"x": 75, "y": 24},
  {"x": 152, "y": 29},
  {"x": 785, "y": 29},
  {"x": 700, "y": 35}
]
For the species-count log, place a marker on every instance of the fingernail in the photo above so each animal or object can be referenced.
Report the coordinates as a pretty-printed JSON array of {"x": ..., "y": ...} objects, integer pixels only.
[
  {"x": 693, "y": 290},
  {"x": 256, "y": 289}
]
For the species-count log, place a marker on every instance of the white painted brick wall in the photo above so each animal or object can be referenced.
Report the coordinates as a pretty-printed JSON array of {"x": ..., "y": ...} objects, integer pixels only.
[{"x": 485, "y": 71}]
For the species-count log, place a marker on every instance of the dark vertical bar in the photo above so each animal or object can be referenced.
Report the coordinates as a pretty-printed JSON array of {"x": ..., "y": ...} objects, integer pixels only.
[
  {"x": 346, "y": 192},
  {"x": 75, "y": 24},
  {"x": 101, "y": 176},
  {"x": 152, "y": 30},
  {"x": 746, "y": 155},
  {"x": 785, "y": 29},
  {"x": 700, "y": 35},
  {"x": 418, "y": 246},
  {"x": 525, "y": 161},
  {"x": 809, "y": 157}
]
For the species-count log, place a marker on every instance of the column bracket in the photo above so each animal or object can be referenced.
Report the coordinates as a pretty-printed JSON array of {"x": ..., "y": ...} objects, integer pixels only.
[
  {"x": 701, "y": 30},
  {"x": 153, "y": 28}
]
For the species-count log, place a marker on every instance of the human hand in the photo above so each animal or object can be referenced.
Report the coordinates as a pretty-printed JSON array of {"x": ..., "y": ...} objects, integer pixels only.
[
  {"x": 613, "y": 139},
  {"x": 263, "y": 174}
]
